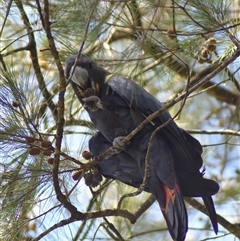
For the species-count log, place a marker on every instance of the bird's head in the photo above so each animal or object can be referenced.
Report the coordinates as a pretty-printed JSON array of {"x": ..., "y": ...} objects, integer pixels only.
[{"x": 86, "y": 74}]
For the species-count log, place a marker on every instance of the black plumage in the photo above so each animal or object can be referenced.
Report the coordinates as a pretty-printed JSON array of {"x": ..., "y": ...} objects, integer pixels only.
[{"x": 116, "y": 106}]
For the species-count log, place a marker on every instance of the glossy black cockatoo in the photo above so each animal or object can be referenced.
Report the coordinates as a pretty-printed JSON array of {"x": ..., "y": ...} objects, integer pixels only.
[{"x": 116, "y": 105}]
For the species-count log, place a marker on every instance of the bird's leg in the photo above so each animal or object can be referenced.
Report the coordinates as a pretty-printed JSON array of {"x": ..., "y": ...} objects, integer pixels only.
[{"x": 93, "y": 103}]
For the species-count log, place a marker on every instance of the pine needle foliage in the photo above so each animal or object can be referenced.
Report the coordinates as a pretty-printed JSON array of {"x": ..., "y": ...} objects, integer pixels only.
[{"x": 167, "y": 47}]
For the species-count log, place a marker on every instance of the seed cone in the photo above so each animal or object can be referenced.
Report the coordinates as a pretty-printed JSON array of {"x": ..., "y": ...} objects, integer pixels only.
[
  {"x": 47, "y": 152},
  {"x": 46, "y": 144},
  {"x": 76, "y": 175},
  {"x": 34, "y": 151},
  {"x": 50, "y": 161},
  {"x": 86, "y": 155},
  {"x": 29, "y": 139}
]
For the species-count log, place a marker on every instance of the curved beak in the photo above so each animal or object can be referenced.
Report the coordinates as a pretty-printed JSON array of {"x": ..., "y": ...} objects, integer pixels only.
[{"x": 79, "y": 76}]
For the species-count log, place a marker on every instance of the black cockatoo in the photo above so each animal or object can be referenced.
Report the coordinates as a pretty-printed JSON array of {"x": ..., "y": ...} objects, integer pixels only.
[{"x": 116, "y": 106}]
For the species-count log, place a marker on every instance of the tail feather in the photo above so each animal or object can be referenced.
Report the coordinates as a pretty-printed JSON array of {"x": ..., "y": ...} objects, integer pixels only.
[
  {"x": 174, "y": 211},
  {"x": 211, "y": 211}
]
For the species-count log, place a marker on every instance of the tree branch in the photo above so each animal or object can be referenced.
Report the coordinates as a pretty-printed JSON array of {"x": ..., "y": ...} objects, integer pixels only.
[
  {"x": 144, "y": 206},
  {"x": 89, "y": 215},
  {"x": 34, "y": 57},
  {"x": 197, "y": 85},
  {"x": 218, "y": 92},
  {"x": 60, "y": 118},
  {"x": 232, "y": 228},
  {"x": 205, "y": 79},
  {"x": 218, "y": 132}
]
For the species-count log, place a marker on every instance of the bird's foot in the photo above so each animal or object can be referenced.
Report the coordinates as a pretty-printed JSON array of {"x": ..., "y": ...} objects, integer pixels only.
[
  {"x": 92, "y": 103},
  {"x": 120, "y": 142}
]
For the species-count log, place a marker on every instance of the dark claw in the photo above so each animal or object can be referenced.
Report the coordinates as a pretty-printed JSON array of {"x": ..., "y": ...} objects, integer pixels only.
[{"x": 93, "y": 103}]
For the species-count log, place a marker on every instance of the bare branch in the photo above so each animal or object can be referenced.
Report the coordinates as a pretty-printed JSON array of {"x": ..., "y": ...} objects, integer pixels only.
[
  {"x": 34, "y": 57},
  {"x": 89, "y": 215},
  {"x": 60, "y": 119},
  {"x": 218, "y": 92},
  {"x": 219, "y": 132},
  {"x": 144, "y": 206},
  {"x": 197, "y": 85},
  {"x": 233, "y": 228}
]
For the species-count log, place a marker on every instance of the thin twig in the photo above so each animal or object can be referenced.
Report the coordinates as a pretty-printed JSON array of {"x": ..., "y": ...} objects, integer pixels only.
[
  {"x": 144, "y": 206},
  {"x": 114, "y": 229},
  {"x": 217, "y": 132},
  {"x": 216, "y": 237},
  {"x": 40, "y": 13},
  {"x": 86, "y": 216},
  {"x": 5, "y": 19},
  {"x": 197, "y": 85},
  {"x": 34, "y": 58},
  {"x": 83, "y": 41},
  {"x": 154, "y": 115}
]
